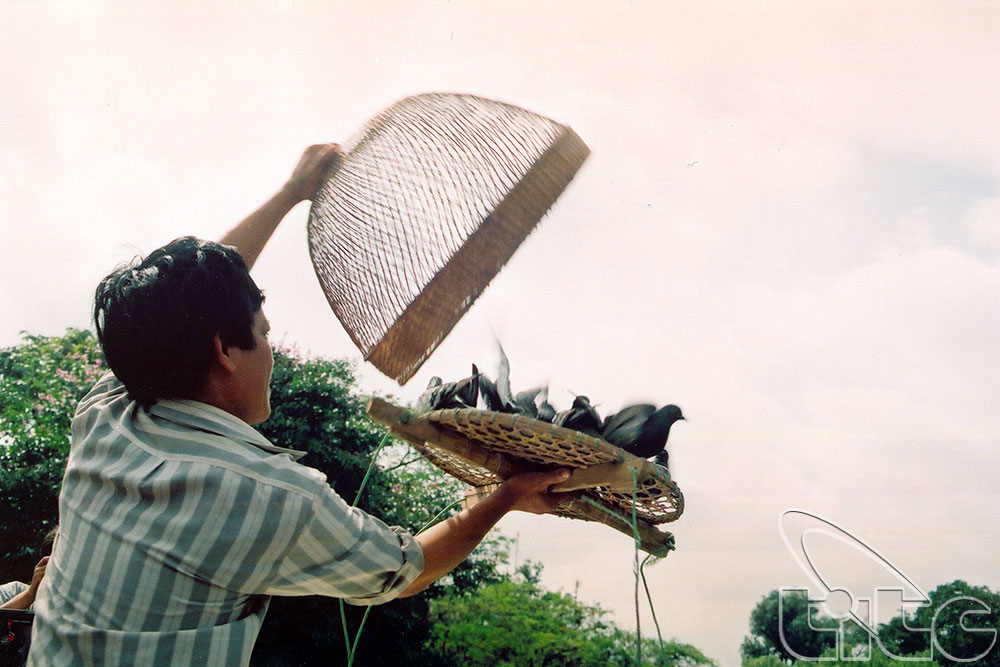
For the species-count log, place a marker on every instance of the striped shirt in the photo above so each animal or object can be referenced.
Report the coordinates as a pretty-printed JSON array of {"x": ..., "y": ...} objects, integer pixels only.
[{"x": 177, "y": 524}]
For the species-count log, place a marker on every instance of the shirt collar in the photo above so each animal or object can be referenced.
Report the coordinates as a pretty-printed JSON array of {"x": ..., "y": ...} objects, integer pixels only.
[{"x": 208, "y": 418}]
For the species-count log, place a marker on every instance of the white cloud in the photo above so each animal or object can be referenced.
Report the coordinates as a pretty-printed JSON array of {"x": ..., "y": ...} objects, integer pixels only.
[{"x": 982, "y": 223}]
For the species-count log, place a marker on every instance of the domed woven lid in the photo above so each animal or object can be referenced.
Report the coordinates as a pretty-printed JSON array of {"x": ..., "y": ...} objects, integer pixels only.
[{"x": 432, "y": 197}]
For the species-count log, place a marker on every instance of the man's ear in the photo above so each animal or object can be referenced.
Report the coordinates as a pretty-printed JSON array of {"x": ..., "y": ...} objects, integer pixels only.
[{"x": 222, "y": 354}]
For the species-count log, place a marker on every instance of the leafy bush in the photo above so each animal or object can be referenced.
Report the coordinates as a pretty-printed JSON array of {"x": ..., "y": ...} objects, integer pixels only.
[
  {"x": 41, "y": 382},
  {"x": 516, "y": 623}
]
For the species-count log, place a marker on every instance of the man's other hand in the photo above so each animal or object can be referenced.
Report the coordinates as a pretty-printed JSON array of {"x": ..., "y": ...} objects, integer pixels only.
[
  {"x": 314, "y": 163},
  {"x": 39, "y": 573}
]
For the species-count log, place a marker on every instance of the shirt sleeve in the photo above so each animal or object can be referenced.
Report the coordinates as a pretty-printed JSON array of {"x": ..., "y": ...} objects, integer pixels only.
[
  {"x": 346, "y": 552},
  {"x": 11, "y": 590}
]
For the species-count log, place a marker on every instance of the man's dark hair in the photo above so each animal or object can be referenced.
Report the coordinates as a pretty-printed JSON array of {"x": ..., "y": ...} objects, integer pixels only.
[
  {"x": 48, "y": 542},
  {"x": 157, "y": 318}
]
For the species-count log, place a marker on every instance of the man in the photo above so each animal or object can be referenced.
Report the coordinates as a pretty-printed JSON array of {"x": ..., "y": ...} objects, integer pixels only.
[{"x": 177, "y": 519}]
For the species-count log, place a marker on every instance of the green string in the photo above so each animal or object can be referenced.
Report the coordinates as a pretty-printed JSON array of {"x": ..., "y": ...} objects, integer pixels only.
[
  {"x": 649, "y": 599},
  {"x": 353, "y": 647},
  {"x": 371, "y": 466},
  {"x": 637, "y": 541},
  {"x": 435, "y": 517},
  {"x": 637, "y": 569}
]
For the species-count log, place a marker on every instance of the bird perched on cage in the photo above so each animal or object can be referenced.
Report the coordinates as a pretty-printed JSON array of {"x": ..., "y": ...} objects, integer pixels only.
[
  {"x": 654, "y": 432},
  {"x": 488, "y": 392},
  {"x": 525, "y": 402},
  {"x": 662, "y": 459},
  {"x": 545, "y": 411},
  {"x": 499, "y": 397},
  {"x": 639, "y": 429},
  {"x": 503, "y": 382},
  {"x": 625, "y": 426},
  {"x": 441, "y": 395},
  {"x": 490, "y": 395},
  {"x": 580, "y": 417}
]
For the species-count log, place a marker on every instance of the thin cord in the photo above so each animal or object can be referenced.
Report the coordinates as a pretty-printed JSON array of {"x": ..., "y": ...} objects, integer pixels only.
[
  {"x": 353, "y": 647},
  {"x": 649, "y": 599},
  {"x": 347, "y": 635},
  {"x": 371, "y": 465},
  {"x": 637, "y": 571},
  {"x": 434, "y": 519},
  {"x": 357, "y": 637},
  {"x": 635, "y": 566}
]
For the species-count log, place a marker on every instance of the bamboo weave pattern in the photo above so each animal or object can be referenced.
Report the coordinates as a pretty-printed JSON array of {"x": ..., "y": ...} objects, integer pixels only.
[
  {"x": 659, "y": 500},
  {"x": 431, "y": 199}
]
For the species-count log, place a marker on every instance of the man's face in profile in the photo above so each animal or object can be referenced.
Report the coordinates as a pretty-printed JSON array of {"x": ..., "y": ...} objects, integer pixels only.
[{"x": 253, "y": 374}]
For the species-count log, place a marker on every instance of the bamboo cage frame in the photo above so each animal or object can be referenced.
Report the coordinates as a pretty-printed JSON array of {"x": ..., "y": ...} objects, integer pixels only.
[{"x": 483, "y": 448}]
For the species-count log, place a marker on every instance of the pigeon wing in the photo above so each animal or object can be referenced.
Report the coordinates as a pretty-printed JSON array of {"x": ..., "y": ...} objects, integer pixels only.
[
  {"x": 655, "y": 432},
  {"x": 525, "y": 402},
  {"x": 625, "y": 426},
  {"x": 503, "y": 382},
  {"x": 545, "y": 411},
  {"x": 488, "y": 390}
]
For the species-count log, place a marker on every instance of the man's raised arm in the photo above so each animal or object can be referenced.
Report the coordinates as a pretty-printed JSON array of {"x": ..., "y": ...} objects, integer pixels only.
[{"x": 251, "y": 235}]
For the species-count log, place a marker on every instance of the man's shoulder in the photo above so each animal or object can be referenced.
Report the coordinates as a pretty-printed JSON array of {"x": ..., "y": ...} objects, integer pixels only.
[
  {"x": 187, "y": 433},
  {"x": 221, "y": 444},
  {"x": 230, "y": 458},
  {"x": 106, "y": 389}
]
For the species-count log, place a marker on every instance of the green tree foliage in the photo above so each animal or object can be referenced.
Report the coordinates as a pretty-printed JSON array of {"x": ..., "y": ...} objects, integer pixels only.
[
  {"x": 517, "y": 623},
  {"x": 793, "y": 625},
  {"x": 948, "y": 603},
  {"x": 874, "y": 659},
  {"x": 965, "y": 620},
  {"x": 764, "y": 661},
  {"x": 41, "y": 381}
]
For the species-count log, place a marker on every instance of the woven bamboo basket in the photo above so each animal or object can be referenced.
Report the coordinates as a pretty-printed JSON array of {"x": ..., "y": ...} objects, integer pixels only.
[
  {"x": 482, "y": 448},
  {"x": 430, "y": 200}
]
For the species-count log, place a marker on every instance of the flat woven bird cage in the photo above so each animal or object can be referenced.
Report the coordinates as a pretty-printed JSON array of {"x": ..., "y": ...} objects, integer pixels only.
[
  {"x": 482, "y": 448},
  {"x": 430, "y": 200}
]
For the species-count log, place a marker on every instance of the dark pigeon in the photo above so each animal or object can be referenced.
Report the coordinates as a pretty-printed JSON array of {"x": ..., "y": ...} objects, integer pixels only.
[
  {"x": 426, "y": 400},
  {"x": 442, "y": 396},
  {"x": 488, "y": 390},
  {"x": 503, "y": 383},
  {"x": 466, "y": 391},
  {"x": 625, "y": 426},
  {"x": 545, "y": 411},
  {"x": 662, "y": 459},
  {"x": 525, "y": 402},
  {"x": 581, "y": 417},
  {"x": 653, "y": 437}
]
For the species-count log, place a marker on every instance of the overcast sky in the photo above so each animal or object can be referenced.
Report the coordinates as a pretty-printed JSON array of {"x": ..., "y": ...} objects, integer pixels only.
[{"x": 789, "y": 225}]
